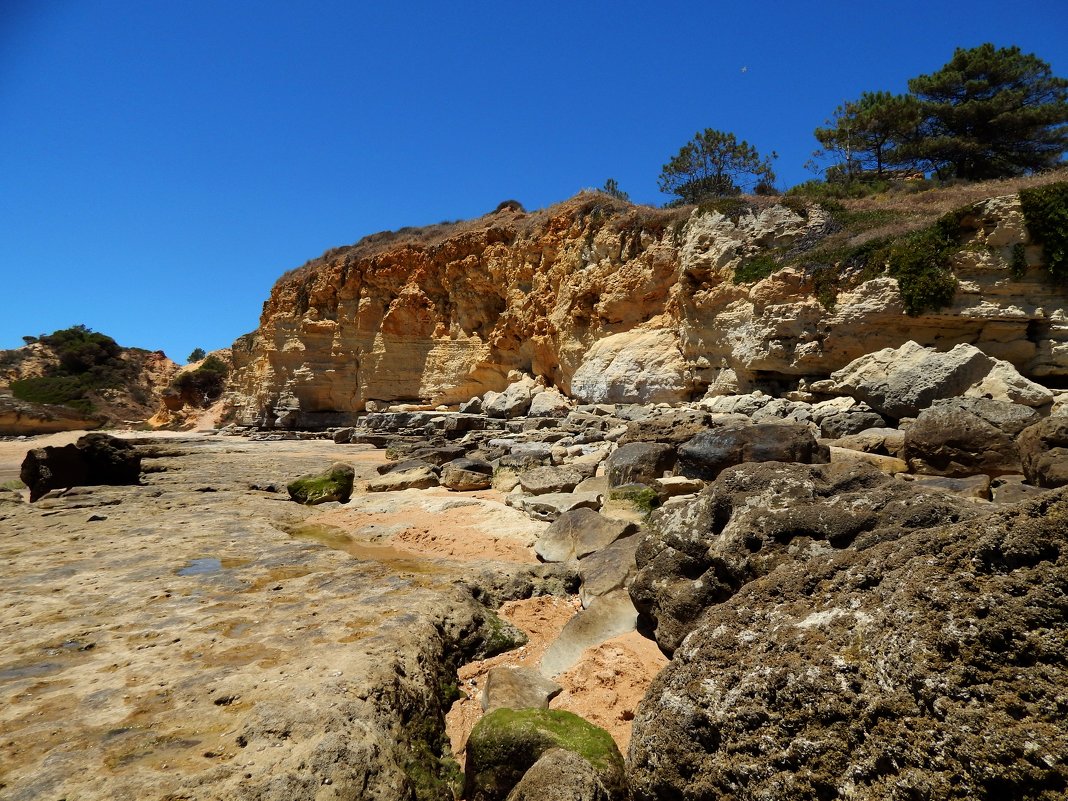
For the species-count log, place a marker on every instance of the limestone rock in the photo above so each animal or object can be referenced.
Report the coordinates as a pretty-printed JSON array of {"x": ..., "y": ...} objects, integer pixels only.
[
  {"x": 553, "y": 504},
  {"x": 930, "y": 664},
  {"x": 513, "y": 402},
  {"x": 19, "y": 418},
  {"x": 333, "y": 484},
  {"x": 412, "y": 478},
  {"x": 673, "y": 427},
  {"x": 633, "y": 367},
  {"x": 970, "y": 487},
  {"x": 94, "y": 459},
  {"x": 900, "y": 382},
  {"x": 506, "y": 743},
  {"x": 1044, "y": 451},
  {"x": 517, "y": 688},
  {"x": 645, "y": 315},
  {"x": 639, "y": 462},
  {"x": 757, "y": 517},
  {"x": 607, "y": 616},
  {"x": 885, "y": 441},
  {"x": 707, "y": 454},
  {"x": 560, "y": 775},
  {"x": 577, "y": 533},
  {"x": 607, "y": 569},
  {"x": 543, "y": 480},
  {"x": 549, "y": 403},
  {"x": 886, "y": 464}
]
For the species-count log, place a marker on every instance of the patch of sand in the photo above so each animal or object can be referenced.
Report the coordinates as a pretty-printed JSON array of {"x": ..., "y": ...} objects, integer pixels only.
[
  {"x": 604, "y": 686},
  {"x": 608, "y": 681},
  {"x": 542, "y": 619},
  {"x": 468, "y": 527}
]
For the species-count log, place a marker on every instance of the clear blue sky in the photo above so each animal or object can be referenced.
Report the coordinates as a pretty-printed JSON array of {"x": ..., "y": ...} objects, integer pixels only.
[{"x": 161, "y": 164}]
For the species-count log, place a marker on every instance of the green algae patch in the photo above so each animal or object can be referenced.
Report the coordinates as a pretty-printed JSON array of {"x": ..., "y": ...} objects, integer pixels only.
[
  {"x": 507, "y": 742},
  {"x": 335, "y": 484}
]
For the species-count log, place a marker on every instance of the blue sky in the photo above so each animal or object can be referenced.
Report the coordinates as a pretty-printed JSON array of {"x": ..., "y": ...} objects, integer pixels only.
[{"x": 161, "y": 164}]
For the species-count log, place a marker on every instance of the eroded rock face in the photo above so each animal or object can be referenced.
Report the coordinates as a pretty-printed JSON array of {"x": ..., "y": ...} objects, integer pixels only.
[
  {"x": 756, "y": 518},
  {"x": 930, "y": 665},
  {"x": 611, "y": 303}
]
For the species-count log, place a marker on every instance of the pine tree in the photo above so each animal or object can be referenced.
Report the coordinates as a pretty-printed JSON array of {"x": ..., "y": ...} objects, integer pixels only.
[
  {"x": 714, "y": 164},
  {"x": 990, "y": 113}
]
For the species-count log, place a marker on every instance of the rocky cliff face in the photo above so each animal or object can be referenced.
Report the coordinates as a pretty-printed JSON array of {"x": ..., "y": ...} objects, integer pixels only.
[{"x": 616, "y": 303}]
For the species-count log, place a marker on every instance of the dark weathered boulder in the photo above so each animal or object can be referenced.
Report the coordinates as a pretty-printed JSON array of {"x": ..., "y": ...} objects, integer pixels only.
[
  {"x": 756, "y": 518},
  {"x": 94, "y": 459},
  {"x": 439, "y": 454},
  {"x": 333, "y": 484},
  {"x": 560, "y": 775},
  {"x": 639, "y": 463},
  {"x": 710, "y": 452},
  {"x": 964, "y": 436},
  {"x": 506, "y": 743},
  {"x": 850, "y": 421},
  {"x": 672, "y": 427},
  {"x": 931, "y": 666},
  {"x": 404, "y": 465},
  {"x": 1044, "y": 452}
]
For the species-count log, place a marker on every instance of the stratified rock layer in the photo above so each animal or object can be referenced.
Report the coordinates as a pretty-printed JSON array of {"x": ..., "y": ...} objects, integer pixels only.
[{"x": 610, "y": 302}]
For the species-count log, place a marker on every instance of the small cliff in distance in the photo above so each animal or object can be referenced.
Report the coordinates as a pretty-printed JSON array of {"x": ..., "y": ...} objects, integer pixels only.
[{"x": 612, "y": 302}]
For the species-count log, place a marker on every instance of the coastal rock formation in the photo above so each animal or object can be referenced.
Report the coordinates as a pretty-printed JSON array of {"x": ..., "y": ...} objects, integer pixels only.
[
  {"x": 611, "y": 302},
  {"x": 929, "y": 665}
]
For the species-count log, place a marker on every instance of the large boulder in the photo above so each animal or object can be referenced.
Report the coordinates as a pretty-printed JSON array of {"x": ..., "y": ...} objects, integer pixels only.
[
  {"x": 513, "y": 402},
  {"x": 560, "y": 775},
  {"x": 900, "y": 382},
  {"x": 1044, "y": 451},
  {"x": 543, "y": 480},
  {"x": 549, "y": 403},
  {"x": 756, "y": 518},
  {"x": 965, "y": 436},
  {"x": 94, "y": 459},
  {"x": 506, "y": 743},
  {"x": 927, "y": 666},
  {"x": 674, "y": 426},
  {"x": 709, "y": 453},
  {"x": 639, "y": 463},
  {"x": 633, "y": 367},
  {"x": 333, "y": 484}
]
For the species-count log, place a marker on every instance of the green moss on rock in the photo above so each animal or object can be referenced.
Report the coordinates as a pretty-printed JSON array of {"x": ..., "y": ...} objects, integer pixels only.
[
  {"x": 335, "y": 484},
  {"x": 499, "y": 636},
  {"x": 507, "y": 742}
]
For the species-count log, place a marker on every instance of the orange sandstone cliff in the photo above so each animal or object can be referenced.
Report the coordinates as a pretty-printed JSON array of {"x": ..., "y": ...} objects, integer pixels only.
[{"x": 616, "y": 303}]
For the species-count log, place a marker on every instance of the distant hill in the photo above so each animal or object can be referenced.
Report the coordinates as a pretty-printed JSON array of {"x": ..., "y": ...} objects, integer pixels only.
[{"x": 78, "y": 378}]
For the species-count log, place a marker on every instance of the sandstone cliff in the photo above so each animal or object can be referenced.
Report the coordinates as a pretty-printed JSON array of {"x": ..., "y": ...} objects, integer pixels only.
[{"x": 616, "y": 303}]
